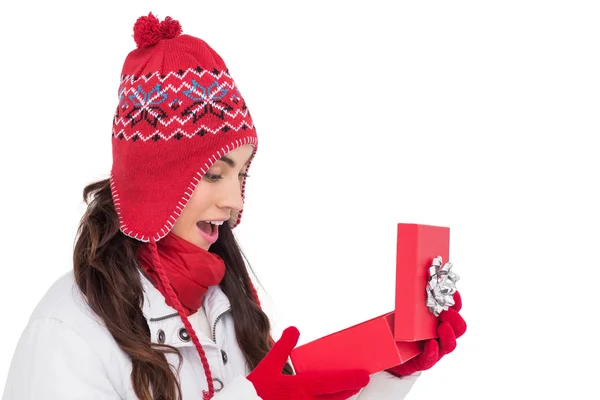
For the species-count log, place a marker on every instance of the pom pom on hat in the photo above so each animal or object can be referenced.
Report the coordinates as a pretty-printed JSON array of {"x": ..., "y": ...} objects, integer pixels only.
[
  {"x": 147, "y": 31},
  {"x": 170, "y": 28}
]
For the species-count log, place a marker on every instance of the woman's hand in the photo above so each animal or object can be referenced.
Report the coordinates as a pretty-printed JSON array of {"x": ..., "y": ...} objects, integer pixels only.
[
  {"x": 451, "y": 327},
  {"x": 271, "y": 384}
]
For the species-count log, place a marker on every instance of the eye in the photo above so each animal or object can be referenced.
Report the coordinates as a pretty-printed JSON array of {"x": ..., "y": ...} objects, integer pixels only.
[
  {"x": 244, "y": 175},
  {"x": 212, "y": 177}
]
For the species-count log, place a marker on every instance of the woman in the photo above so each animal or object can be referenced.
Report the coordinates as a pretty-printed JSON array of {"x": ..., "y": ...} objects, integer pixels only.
[{"x": 159, "y": 304}]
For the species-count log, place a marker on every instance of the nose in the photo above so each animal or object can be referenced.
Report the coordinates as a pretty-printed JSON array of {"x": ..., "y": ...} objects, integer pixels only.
[{"x": 230, "y": 196}]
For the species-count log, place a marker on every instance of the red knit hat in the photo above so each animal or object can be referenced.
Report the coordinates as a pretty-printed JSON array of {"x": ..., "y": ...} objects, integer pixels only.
[{"x": 179, "y": 111}]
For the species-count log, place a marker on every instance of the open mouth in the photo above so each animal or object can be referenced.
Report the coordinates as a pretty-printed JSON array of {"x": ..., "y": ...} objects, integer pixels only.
[
  {"x": 209, "y": 230},
  {"x": 206, "y": 227}
]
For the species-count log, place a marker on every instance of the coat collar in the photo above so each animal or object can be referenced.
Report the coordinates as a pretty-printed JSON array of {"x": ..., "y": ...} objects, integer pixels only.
[{"x": 156, "y": 309}]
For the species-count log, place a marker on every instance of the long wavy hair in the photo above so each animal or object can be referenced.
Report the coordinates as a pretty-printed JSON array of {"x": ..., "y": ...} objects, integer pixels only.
[{"x": 106, "y": 271}]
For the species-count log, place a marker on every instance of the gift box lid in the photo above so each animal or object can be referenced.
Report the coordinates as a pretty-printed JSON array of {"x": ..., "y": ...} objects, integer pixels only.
[{"x": 417, "y": 246}]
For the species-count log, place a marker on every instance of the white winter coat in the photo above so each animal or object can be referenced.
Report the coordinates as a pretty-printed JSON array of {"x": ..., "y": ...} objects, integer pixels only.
[{"x": 66, "y": 353}]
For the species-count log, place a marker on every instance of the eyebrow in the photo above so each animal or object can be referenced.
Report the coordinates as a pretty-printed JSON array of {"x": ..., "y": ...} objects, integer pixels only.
[{"x": 229, "y": 161}]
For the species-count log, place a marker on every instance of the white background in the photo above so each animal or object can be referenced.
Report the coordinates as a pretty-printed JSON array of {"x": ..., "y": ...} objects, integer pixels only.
[{"x": 477, "y": 115}]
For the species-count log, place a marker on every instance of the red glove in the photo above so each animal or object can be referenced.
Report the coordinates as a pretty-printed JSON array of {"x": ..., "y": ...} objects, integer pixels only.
[
  {"x": 451, "y": 327},
  {"x": 271, "y": 384}
]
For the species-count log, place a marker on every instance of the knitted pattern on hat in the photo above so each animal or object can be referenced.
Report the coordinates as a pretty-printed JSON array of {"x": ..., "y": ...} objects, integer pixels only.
[{"x": 179, "y": 111}]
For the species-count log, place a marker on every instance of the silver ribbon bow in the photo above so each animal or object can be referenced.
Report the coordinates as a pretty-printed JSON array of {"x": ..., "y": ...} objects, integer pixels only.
[{"x": 441, "y": 286}]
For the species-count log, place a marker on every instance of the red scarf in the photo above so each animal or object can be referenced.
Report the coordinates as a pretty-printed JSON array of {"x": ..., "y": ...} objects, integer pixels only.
[{"x": 191, "y": 270}]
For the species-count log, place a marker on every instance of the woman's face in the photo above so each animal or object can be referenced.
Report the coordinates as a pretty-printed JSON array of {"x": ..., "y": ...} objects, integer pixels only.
[{"x": 217, "y": 194}]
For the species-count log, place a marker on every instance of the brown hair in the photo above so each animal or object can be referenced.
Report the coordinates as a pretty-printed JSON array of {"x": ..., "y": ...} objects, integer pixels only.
[{"x": 106, "y": 271}]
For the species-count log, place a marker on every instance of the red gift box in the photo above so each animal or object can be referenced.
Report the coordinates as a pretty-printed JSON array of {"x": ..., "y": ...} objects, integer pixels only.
[
  {"x": 393, "y": 338},
  {"x": 369, "y": 345},
  {"x": 417, "y": 246}
]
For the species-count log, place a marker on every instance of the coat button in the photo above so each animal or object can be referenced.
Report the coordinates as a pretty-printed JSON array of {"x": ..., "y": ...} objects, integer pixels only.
[
  {"x": 218, "y": 384},
  {"x": 161, "y": 336},
  {"x": 224, "y": 356},
  {"x": 184, "y": 335}
]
